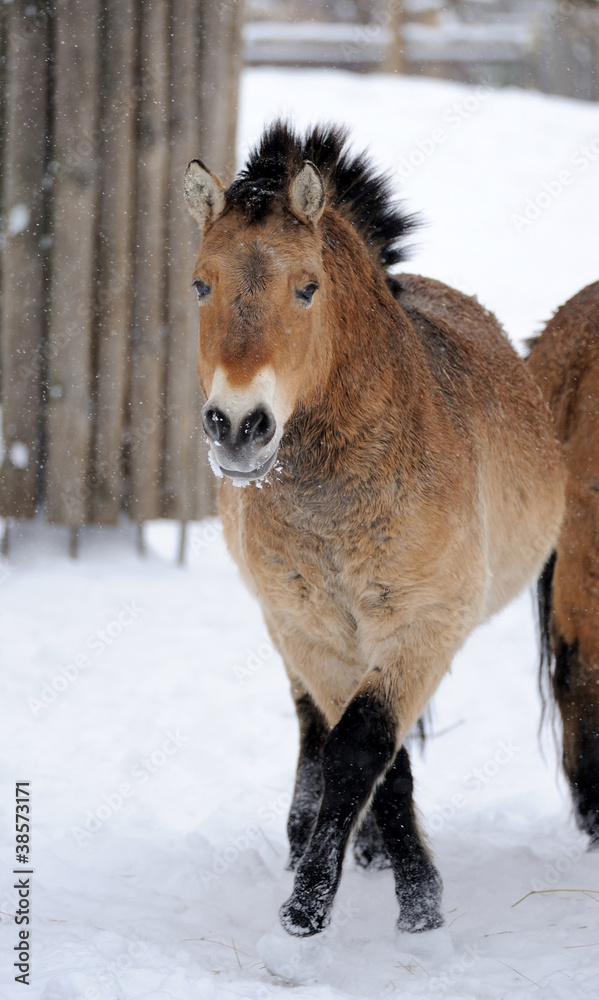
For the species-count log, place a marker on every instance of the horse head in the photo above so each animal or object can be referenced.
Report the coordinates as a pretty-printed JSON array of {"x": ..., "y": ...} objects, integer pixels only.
[{"x": 260, "y": 282}]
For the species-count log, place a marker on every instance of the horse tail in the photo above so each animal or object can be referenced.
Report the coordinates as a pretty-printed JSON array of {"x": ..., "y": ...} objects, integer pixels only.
[{"x": 544, "y": 624}]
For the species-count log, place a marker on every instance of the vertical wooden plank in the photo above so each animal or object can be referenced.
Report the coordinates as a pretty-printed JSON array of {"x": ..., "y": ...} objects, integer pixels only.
[
  {"x": 146, "y": 400},
  {"x": 3, "y": 128},
  {"x": 235, "y": 60},
  {"x": 115, "y": 256},
  {"x": 183, "y": 404},
  {"x": 73, "y": 261},
  {"x": 220, "y": 63},
  {"x": 22, "y": 322},
  {"x": 393, "y": 61}
]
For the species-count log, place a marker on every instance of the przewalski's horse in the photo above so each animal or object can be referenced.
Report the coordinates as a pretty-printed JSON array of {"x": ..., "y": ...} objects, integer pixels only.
[
  {"x": 404, "y": 482},
  {"x": 565, "y": 363}
]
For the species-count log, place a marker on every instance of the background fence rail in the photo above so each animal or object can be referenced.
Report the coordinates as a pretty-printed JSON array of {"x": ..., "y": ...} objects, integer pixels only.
[{"x": 104, "y": 104}]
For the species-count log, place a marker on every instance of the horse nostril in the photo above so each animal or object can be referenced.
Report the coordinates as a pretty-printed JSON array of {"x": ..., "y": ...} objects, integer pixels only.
[
  {"x": 258, "y": 427},
  {"x": 216, "y": 424}
]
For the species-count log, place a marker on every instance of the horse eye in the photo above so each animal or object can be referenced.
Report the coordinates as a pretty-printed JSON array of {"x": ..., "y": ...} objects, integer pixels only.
[
  {"x": 306, "y": 293},
  {"x": 201, "y": 288}
]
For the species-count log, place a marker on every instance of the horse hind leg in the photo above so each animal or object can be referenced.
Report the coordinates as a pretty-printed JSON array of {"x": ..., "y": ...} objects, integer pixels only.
[
  {"x": 573, "y": 625},
  {"x": 369, "y": 845},
  {"x": 576, "y": 687},
  {"x": 417, "y": 883}
]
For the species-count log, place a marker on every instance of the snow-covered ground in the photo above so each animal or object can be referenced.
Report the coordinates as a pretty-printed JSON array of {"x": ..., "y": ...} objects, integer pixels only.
[{"x": 148, "y": 710}]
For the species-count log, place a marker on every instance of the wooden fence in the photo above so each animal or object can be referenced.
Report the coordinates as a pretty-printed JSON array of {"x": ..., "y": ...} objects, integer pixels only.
[
  {"x": 103, "y": 104},
  {"x": 550, "y": 45}
]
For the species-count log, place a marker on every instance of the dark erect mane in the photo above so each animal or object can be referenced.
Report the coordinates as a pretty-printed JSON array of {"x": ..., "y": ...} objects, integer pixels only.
[{"x": 353, "y": 186}]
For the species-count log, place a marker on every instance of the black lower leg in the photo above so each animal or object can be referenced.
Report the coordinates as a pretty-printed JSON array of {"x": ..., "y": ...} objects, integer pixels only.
[
  {"x": 417, "y": 882},
  {"x": 575, "y": 686},
  {"x": 584, "y": 780},
  {"x": 309, "y": 782},
  {"x": 356, "y": 753},
  {"x": 369, "y": 846}
]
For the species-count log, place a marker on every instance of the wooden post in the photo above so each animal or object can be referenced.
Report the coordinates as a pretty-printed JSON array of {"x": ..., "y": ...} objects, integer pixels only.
[
  {"x": 235, "y": 61},
  {"x": 5, "y": 543},
  {"x": 22, "y": 318},
  {"x": 182, "y": 387},
  {"x": 73, "y": 261},
  {"x": 101, "y": 107},
  {"x": 74, "y": 543},
  {"x": 116, "y": 226},
  {"x": 148, "y": 348},
  {"x": 394, "y": 61},
  {"x": 182, "y": 543},
  {"x": 141, "y": 540},
  {"x": 220, "y": 60},
  {"x": 3, "y": 128}
]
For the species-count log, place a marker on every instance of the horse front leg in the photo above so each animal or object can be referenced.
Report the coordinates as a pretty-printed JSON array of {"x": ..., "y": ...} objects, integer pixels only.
[
  {"x": 357, "y": 755},
  {"x": 369, "y": 845},
  {"x": 309, "y": 782}
]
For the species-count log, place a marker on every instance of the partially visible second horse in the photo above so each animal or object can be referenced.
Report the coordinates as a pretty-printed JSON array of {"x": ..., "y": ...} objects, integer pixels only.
[
  {"x": 402, "y": 481},
  {"x": 565, "y": 362}
]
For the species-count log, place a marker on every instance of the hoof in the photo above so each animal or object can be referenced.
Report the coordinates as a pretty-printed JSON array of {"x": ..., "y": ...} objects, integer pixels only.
[
  {"x": 419, "y": 898},
  {"x": 296, "y": 920},
  {"x": 589, "y": 824}
]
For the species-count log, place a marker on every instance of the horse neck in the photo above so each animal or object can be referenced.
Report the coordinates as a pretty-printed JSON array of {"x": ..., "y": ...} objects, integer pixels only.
[
  {"x": 374, "y": 395},
  {"x": 375, "y": 350}
]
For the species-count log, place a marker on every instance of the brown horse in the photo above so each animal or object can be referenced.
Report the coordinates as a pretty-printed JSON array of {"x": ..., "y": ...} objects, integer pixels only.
[
  {"x": 565, "y": 362},
  {"x": 403, "y": 482}
]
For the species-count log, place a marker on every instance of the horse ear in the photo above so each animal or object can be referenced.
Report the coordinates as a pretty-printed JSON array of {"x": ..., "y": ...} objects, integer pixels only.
[
  {"x": 204, "y": 193},
  {"x": 306, "y": 194}
]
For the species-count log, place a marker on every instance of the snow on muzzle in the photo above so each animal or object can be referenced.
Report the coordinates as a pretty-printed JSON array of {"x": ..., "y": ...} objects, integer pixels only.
[
  {"x": 244, "y": 447},
  {"x": 244, "y": 423}
]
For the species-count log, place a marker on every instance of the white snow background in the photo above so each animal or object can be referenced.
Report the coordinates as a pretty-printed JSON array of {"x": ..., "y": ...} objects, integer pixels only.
[{"x": 161, "y": 772}]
